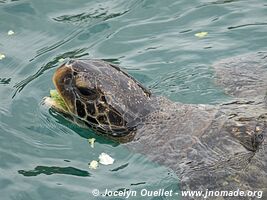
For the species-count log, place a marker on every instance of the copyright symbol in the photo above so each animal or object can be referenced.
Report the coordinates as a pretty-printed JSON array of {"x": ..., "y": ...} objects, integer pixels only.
[{"x": 95, "y": 192}]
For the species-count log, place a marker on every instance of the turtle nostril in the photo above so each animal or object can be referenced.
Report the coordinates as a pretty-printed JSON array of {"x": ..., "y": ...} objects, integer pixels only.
[
  {"x": 70, "y": 62},
  {"x": 67, "y": 79},
  {"x": 259, "y": 138}
]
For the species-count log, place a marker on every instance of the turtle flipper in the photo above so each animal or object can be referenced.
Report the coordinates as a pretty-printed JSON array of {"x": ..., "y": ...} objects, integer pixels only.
[{"x": 243, "y": 76}]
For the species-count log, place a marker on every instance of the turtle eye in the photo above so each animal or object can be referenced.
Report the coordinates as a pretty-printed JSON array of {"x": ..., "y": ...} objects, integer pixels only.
[
  {"x": 85, "y": 91},
  {"x": 89, "y": 93}
]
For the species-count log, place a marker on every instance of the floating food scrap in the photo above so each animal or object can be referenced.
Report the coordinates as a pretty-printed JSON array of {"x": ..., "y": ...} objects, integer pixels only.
[
  {"x": 105, "y": 159},
  {"x": 92, "y": 142},
  {"x": 58, "y": 99},
  {"x": 201, "y": 34},
  {"x": 93, "y": 164},
  {"x": 2, "y": 56},
  {"x": 10, "y": 32}
]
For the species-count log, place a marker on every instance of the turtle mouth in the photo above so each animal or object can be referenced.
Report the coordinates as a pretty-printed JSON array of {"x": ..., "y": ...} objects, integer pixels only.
[
  {"x": 61, "y": 98},
  {"x": 56, "y": 102}
]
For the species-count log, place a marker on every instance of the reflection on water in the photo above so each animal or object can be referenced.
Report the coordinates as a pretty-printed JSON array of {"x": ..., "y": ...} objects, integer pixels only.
[{"x": 54, "y": 170}]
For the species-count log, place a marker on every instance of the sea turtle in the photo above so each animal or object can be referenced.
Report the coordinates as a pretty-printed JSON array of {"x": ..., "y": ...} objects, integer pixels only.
[{"x": 210, "y": 147}]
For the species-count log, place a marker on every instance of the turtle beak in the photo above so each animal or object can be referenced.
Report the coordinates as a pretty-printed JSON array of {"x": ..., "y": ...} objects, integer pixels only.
[{"x": 63, "y": 81}]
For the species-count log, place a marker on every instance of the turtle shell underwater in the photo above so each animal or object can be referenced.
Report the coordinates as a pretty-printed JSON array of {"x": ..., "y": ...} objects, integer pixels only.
[{"x": 208, "y": 146}]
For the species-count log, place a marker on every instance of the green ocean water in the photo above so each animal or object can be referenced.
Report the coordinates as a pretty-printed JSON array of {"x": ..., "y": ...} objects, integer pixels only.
[{"x": 42, "y": 156}]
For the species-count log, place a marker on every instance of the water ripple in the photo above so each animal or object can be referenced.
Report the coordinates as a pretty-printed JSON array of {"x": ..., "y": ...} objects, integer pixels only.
[
  {"x": 57, "y": 44},
  {"x": 245, "y": 25},
  {"x": 7, "y": 1},
  {"x": 120, "y": 167},
  {"x": 5, "y": 81},
  {"x": 96, "y": 12},
  {"x": 85, "y": 17}
]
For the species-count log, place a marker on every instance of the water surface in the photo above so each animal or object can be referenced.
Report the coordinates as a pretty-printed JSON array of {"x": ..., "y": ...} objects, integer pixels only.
[{"x": 42, "y": 155}]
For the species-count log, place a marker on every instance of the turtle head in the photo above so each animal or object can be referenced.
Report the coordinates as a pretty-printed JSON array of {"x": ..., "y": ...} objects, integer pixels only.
[{"x": 103, "y": 96}]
